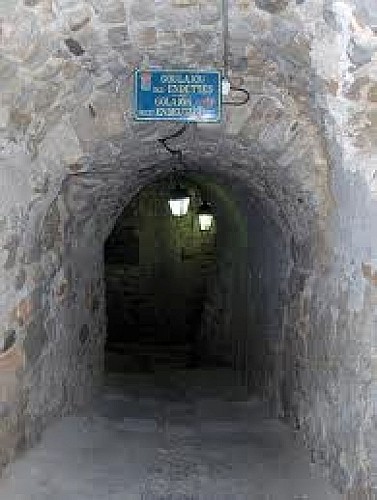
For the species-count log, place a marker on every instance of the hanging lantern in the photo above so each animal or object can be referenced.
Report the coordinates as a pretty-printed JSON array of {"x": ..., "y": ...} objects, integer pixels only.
[
  {"x": 205, "y": 216},
  {"x": 179, "y": 201}
]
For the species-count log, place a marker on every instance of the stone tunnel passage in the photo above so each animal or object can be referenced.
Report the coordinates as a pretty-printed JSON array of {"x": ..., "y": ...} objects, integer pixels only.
[
  {"x": 301, "y": 153},
  {"x": 175, "y": 295},
  {"x": 238, "y": 280},
  {"x": 178, "y": 296},
  {"x": 193, "y": 341},
  {"x": 283, "y": 266},
  {"x": 157, "y": 270}
]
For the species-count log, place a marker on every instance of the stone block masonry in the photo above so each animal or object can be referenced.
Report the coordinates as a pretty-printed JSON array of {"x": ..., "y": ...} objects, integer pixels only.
[{"x": 302, "y": 152}]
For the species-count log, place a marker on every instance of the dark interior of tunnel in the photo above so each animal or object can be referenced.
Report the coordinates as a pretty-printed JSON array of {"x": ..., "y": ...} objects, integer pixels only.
[
  {"x": 158, "y": 273},
  {"x": 179, "y": 298}
]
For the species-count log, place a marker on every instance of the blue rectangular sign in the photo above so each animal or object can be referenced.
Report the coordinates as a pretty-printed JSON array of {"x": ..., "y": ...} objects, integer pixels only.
[{"x": 177, "y": 95}]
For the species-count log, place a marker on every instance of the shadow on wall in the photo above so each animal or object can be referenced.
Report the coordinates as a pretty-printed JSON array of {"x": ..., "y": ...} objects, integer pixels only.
[{"x": 243, "y": 312}]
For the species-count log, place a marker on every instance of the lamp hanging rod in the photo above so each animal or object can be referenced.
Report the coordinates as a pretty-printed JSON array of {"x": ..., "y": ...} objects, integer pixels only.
[
  {"x": 226, "y": 55},
  {"x": 225, "y": 16}
]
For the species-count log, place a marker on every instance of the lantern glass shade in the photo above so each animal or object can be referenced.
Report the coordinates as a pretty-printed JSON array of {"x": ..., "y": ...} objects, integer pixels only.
[
  {"x": 205, "y": 217},
  {"x": 179, "y": 201}
]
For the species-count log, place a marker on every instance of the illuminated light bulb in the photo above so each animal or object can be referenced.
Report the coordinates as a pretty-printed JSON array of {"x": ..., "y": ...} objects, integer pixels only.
[
  {"x": 205, "y": 217},
  {"x": 179, "y": 201}
]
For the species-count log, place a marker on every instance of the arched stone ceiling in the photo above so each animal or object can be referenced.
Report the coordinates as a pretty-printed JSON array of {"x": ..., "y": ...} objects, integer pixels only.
[
  {"x": 66, "y": 96},
  {"x": 304, "y": 149}
]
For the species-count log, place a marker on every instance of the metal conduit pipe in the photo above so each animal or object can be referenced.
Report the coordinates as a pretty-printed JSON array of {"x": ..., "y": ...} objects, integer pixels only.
[{"x": 225, "y": 17}]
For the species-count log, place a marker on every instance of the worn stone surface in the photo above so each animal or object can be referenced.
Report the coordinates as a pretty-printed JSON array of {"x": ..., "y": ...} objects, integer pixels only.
[
  {"x": 303, "y": 148},
  {"x": 160, "y": 444},
  {"x": 272, "y": 6}
]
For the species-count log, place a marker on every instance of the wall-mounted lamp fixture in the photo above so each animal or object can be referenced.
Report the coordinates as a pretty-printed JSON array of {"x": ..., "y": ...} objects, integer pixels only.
[
  {"x": 179, "y": 201},
  {"x": 205, "y": 216}
]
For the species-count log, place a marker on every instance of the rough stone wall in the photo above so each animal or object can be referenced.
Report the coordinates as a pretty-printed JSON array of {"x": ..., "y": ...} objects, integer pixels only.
[
  {"x": 243, "y": 317},
  {"x": 303, "y": 147},
  {"x": 223, "y": 323},
  {"x": 64, "y": 345},
  {"x": 330, "y": 381},
  {"x": 269, "y": 263},
  {"x": 342, "y": 297},
  {"x": 58, "y": 321}
]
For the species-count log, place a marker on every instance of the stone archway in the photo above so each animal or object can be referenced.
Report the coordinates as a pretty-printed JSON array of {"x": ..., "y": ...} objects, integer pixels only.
[{"x": 303, "y": 148}]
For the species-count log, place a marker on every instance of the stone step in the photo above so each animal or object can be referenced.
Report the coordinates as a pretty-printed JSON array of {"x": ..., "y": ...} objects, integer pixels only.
[
  {"x": 135, "y": 347},
  {"x": 176, "y": 354}
]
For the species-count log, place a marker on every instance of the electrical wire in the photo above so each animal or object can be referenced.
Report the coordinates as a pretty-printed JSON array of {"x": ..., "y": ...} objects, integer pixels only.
[
  {"x": 245, "y": 100},
  {"x": 174, "y": 135},
  {"x": 246, "y": 95}
]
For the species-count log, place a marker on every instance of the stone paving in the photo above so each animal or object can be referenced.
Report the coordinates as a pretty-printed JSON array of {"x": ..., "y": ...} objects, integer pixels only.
[{"x": 144, "y": 441}]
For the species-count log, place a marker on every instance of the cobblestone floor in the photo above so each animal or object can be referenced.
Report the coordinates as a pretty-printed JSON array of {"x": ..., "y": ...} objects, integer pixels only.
[{"x": 187, "y": 440}]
